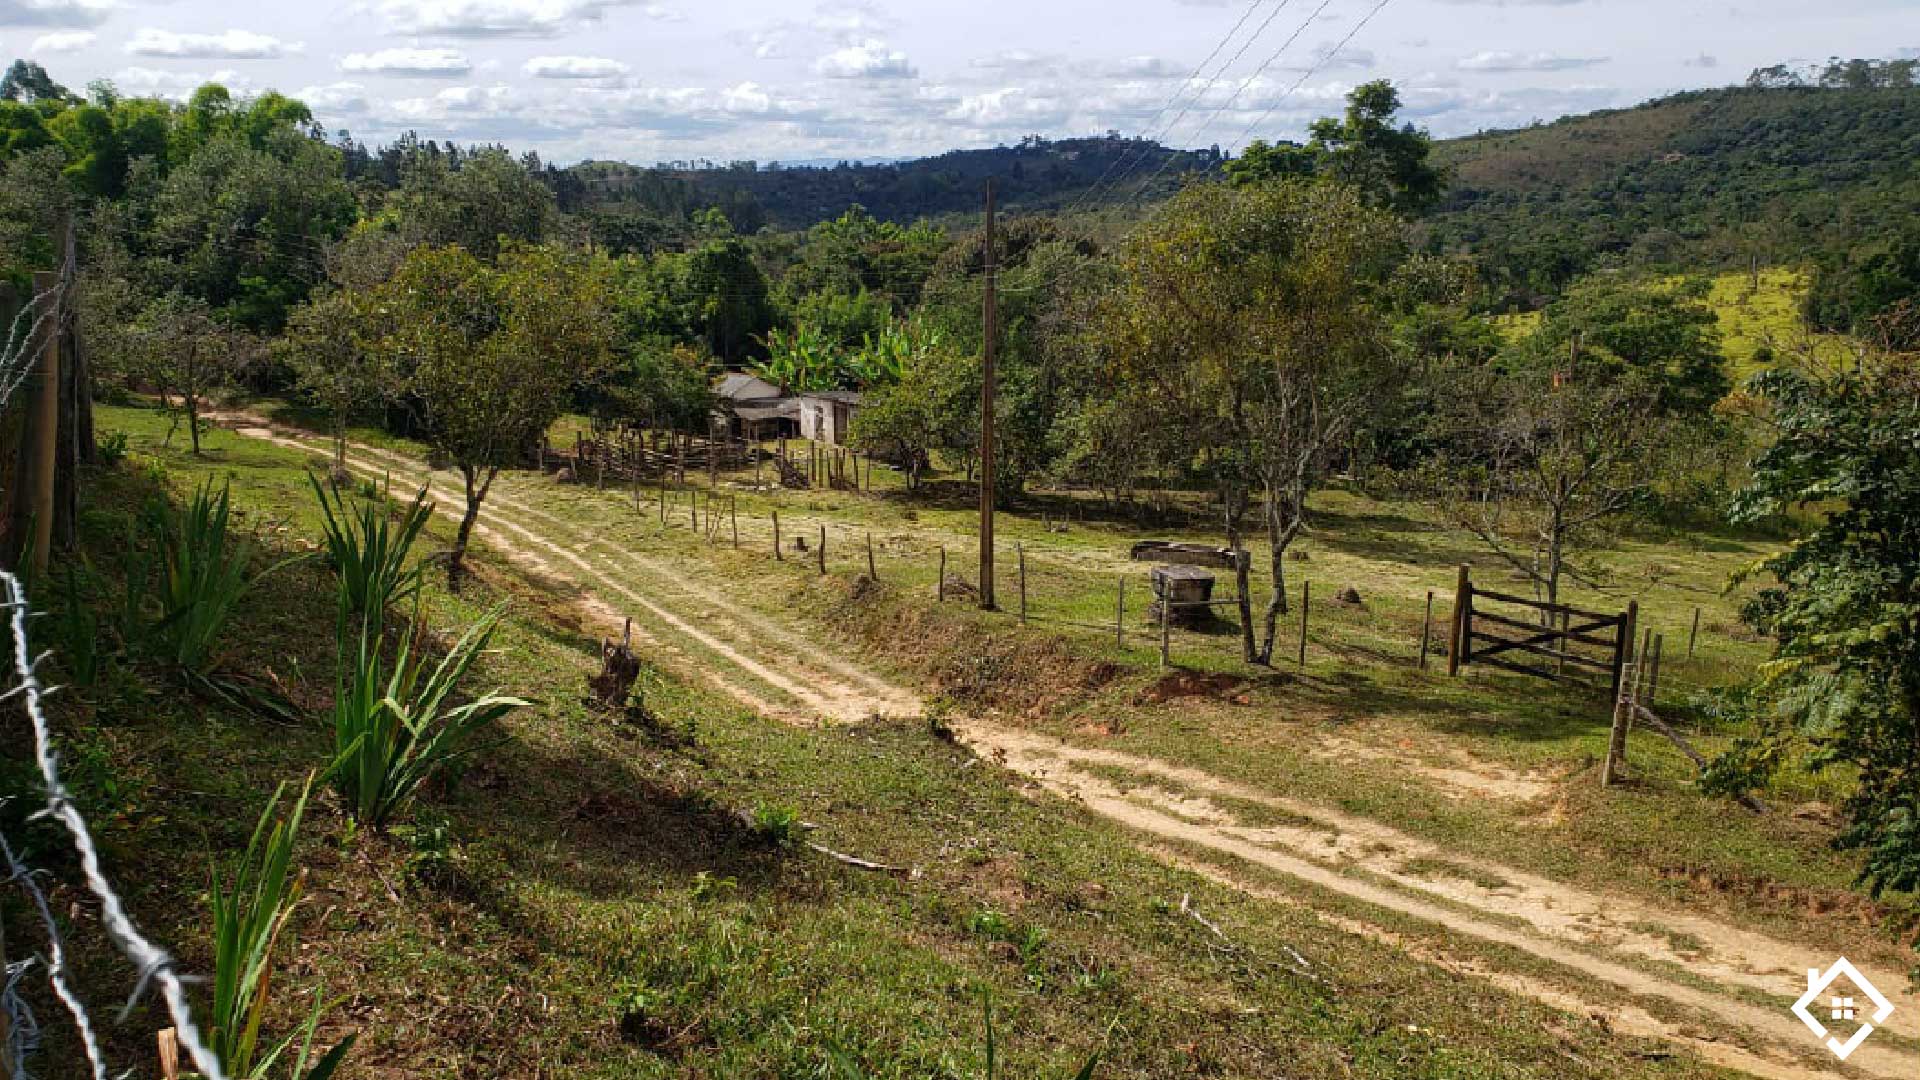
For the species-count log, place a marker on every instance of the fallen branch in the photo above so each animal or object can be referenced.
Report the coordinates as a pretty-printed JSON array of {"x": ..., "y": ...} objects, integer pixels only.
[
  {"x": 1299, "y": 967},
  {"x": 858, "y": 863},
  {"x": 1695, "y": 756}
]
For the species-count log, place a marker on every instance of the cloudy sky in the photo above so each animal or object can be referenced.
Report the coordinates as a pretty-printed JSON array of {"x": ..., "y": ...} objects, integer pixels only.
[{"x": 648, "y": 80}]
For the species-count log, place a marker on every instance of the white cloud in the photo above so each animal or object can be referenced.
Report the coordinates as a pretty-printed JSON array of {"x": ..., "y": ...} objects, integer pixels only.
[
  {"x": 1148, "y": 67},
  {"x": 850, "y": 21},
  {"x": 870, "y": 59},
  {"x": 747, "y": 98},
  {"x": 1021, "y": 60},
  {"x": 175, "y": 84},
  {"x": 339, "y": 97},
  {"x": 1539, "y": 61},
  {"x": 507, "y": 18},
  {"x": 1704, "y": 61},
  {"x": 424, "y": 63},
  {"x": 63, "y": 41},
  {"x": 226, "y": 45},
  {"x": 574, "y": 67},
  {"x": 54, "y": 12}
]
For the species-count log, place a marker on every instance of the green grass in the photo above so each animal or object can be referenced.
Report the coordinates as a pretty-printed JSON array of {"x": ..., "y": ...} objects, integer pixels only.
[
  {"x": 587, "y": 900},
  {"x": 1656, "y": 837}
]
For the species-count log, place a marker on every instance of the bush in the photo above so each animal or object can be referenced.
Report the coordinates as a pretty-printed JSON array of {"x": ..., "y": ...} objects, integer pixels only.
[
  {"x": 203, "y": 575},
  {"x": 368, "y": 550},
  {"x": 391, "y": 732}
]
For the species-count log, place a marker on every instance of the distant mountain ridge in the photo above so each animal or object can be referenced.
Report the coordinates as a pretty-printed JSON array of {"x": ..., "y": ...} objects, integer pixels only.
[{"x": 1036, "y": 174}]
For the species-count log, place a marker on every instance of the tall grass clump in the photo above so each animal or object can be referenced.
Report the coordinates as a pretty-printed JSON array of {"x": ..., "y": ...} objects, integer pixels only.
[
  {"x": 203, "y": 573},
  {"x": 250, "y": 913},
  {"x": 392, "y": 730},
  {"x": 368, "y": 549}
]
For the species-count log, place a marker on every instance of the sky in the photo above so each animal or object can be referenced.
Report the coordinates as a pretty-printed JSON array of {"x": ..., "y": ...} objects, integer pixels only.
[{"x": 805, "y": 80}]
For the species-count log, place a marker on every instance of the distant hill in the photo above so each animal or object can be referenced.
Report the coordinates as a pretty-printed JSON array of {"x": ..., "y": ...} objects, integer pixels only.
[
  {"x": 1036, "y": 175},
  {"x": 1712, "y": 178}
]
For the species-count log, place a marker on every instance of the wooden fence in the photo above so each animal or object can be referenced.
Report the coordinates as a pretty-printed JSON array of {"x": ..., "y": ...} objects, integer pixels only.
[{"x": 1556, "y": 642}]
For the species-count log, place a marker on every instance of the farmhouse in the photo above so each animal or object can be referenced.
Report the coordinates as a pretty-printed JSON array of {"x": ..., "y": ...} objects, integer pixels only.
[
  {"x": 749, "y": 407},
  {"x": 827, "y": 415}
]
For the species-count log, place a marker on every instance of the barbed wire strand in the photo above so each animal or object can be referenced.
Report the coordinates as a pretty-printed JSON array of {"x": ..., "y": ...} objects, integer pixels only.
[
  {"x": 153, "y": 963},
  {"x": 56, "y": 971}
]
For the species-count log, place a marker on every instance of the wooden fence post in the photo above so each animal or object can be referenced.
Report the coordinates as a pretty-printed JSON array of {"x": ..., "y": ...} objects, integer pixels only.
[
  {"x": 1457, "y": 633},
  {"x": 1426, "y": 631},
  {"x": 1653, "y": 675},
  {"x": 169, "y": 1047},
  {"x": 1306, "y": 596},
  {"x": 776, "y": 536},
  {"x": 733, "y": 518},
  {"x": 1165, "y": 621},
  {"x": 823, "y": 549},
  {"x": 1617, "y": 736},
  {"x": 871, "y": 571},
  {"x": 1120, "y": 616},
  {"x": 1693, "y": 633},
  {"x": 1623, "y": 645},
  {"x": 1020, "y": 550},
  {"x": 940, "y": 586}
]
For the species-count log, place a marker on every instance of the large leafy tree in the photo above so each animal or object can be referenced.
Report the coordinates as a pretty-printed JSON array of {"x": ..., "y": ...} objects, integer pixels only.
[
  {"x": 1364, "y": 148},
  {"x": 491, "y": 354},
  {"x": 484, "y": 199},
  {"x": 1844, "y": 609},
  {"x": 1252, "y": 320},
  {"x": 1662, "y": 331}
]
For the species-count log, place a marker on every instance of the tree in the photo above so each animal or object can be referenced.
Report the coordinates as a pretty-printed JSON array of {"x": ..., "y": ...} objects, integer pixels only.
[
  {"x": 185, "y": 353},
  {"x": 27, "y": 81},
  {"x": 330, "y": 345},
  {"x": 488, "y": 198},
  {"x": 1537, "y": 465},
  {"x": 1364, "y": 149},
  {"x": 492, "y": 354},
  {"x": 1664, "y": 332},
  {"x": 1249, "y": 320},
  {"x": 1844, "y": 610}
]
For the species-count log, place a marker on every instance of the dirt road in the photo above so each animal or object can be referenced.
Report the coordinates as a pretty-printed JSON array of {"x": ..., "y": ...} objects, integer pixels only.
[{"x": 1714, "y": 989}]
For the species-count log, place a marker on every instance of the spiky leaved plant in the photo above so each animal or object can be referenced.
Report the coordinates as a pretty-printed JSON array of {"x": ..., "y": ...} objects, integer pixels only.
[{"x": 368, "y": 549}]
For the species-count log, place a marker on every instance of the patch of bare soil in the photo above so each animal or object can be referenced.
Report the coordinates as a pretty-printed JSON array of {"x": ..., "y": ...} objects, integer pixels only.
[{"x": 1606, "y": 938}]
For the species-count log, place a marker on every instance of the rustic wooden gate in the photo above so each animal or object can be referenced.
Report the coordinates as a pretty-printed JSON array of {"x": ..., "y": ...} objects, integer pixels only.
[{"x": 1566, "y": 644}]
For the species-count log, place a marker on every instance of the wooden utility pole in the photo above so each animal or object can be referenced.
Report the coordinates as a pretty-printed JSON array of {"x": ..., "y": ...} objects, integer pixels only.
[{"x": 990, "y": 332}]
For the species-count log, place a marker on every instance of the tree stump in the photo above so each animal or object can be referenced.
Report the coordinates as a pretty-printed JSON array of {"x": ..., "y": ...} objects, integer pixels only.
[{"x": 619, "y": 670}]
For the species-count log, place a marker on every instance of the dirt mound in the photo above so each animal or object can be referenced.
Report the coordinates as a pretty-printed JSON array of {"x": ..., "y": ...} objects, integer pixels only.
[{"x": 1193, "y": 684}]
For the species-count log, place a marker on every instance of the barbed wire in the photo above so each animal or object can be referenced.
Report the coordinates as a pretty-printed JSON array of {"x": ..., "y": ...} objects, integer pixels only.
[
  {"x": 153, "y": 963},
  {"x": 56, "y": 961}
]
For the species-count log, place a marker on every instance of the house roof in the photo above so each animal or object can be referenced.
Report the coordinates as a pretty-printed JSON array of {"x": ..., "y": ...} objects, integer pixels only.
[
  {"x": 742, "y": 387},
  {"x": 772, "y": 410},
  {"x": 848, "y": 397}
]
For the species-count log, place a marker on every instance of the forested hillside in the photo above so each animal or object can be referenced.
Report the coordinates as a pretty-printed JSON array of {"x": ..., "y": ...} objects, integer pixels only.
[
  {"x": 1037, "y": 175},
  {"x": 1705, "y": 179}
]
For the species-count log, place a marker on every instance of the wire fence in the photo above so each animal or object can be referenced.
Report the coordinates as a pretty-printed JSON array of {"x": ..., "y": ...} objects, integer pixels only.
[{"x": 153, "y": 965}]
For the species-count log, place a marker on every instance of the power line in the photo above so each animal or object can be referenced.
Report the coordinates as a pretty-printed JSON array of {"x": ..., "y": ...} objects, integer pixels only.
[{"x": 1185, "y": 84}]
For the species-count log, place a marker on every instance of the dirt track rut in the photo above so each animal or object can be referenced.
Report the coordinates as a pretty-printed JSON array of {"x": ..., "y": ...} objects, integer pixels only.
[{"x": 1734, "y": 986}]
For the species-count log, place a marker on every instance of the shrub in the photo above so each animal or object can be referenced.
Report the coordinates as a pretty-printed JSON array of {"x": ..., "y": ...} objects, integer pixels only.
[
  {"x": 391, "y": 732},
  {"x": 368, "y": 550},
  {"x": 203, "y": 575}
]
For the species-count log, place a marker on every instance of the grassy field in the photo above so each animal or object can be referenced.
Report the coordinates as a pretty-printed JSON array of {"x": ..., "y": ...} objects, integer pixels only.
[
  {"x": 1458, "y": 768},
  {"x": 587, "y": 901}
]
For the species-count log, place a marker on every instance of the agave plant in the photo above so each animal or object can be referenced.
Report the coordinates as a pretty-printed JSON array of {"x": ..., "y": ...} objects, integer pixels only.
[
  {"x": 368, "y": 550},
  {"x": 249, "y": 915},
  {"x": 203, "y": 574},
  {"x": 393, "y": 730}
]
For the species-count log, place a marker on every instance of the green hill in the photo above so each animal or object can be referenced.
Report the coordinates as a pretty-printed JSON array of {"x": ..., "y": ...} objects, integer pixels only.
[
  {"x": 1717, "y": 178},
  {"x": 1035, "y": 175}
]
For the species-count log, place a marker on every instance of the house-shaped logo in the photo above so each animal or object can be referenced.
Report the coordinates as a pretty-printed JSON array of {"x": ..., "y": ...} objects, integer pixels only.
[{"x": 1841, "y": 1007}]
